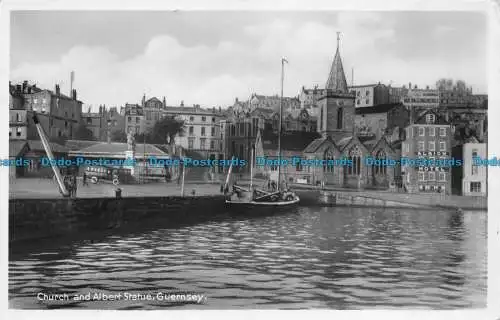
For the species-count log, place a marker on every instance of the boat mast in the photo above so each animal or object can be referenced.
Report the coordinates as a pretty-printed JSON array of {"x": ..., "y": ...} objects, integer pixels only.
[
  {"x": 283, "y": 60},
  {"x": 46, "y": 146},
  {"x": 229, "y": 173},
  {"x": 251, "y": 170}
]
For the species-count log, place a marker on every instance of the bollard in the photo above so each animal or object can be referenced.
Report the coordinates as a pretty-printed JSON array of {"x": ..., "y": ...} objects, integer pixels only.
[{"x": 118, "y": 193}]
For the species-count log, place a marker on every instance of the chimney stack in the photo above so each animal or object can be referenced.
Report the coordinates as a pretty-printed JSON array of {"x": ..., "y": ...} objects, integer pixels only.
[
  {"x": 25, "y": 86},
  {"x": 58, "y": 90},
  {"x": 73, "y": 94}
]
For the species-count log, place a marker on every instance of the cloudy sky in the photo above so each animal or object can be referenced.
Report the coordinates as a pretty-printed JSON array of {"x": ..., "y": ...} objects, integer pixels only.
[{"x": 209, "y": 58}]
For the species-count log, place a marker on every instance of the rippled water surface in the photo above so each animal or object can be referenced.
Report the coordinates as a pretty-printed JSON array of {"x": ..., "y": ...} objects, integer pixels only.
[{"x": 338, "y": 258}]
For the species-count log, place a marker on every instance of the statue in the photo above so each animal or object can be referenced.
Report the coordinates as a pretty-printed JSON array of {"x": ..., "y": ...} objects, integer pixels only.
[{"x": 130, "y": 141}]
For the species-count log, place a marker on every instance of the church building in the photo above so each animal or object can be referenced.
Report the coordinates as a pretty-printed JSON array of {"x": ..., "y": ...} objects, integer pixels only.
[{"x": 336, "y": 124}]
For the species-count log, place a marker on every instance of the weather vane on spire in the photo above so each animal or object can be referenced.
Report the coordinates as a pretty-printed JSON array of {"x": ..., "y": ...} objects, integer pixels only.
[{"x": 338, "y": 39}]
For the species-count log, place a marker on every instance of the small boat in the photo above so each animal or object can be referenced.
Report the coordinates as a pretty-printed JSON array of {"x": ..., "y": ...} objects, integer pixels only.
[{"x": 258, "y": 198}]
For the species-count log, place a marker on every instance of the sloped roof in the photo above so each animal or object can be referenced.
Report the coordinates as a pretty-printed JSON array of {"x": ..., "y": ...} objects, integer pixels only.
[
  {"x": 293, "y": 141},
  {"x": 381, "y": 108},
  {"x": 119, "y": 148},
  {"x": 16, "y": 147},
  {"x": 36, "y": 145},
  {"x": 344, "y": 142},
  {"x": 79, "y": 144}
]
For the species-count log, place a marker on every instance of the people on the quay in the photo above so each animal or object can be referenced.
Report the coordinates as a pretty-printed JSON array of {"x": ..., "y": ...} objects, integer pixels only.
[
  {"x": 74, "y": 185},
  {"x": 84, "y": 179}
]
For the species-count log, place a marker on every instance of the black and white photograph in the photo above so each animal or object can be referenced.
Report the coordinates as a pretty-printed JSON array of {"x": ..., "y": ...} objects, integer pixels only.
[{"x": 248, "y": 159}]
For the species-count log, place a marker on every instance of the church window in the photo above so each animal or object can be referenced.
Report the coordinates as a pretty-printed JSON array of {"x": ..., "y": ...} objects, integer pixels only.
[
  {"x": 378, "y": 168},
  {"x": 355, "y": 158},
  {"x": 340, "y": 118}
]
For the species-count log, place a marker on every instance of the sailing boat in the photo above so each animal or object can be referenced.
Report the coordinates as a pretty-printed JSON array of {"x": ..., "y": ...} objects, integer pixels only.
[{"x": 255, "y": 198}]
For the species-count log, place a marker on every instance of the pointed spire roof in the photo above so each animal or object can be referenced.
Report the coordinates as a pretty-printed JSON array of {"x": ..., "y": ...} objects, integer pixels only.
[{"x": 336, "y": 80}]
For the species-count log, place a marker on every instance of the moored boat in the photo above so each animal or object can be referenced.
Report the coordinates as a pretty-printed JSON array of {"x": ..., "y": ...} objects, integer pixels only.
[{"x": 258, "y": 198}]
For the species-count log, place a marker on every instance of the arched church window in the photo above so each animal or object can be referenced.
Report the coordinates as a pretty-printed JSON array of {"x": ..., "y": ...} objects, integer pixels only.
[
  {"x": 340, "y": 118},
  {"x": 355, "y": 157},
  {"x": 378, "y": 168},
  {"x": 328, "y": 157}
]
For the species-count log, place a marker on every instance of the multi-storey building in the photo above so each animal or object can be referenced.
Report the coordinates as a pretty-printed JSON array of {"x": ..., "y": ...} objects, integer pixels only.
[
  {"x": 201, "y": 130},
  {"x": 103, "y": 122},
  {"x": 59, "y": 114},
  {"x": 429, "y": 138},
  {"x": 475, "y": 175},
  {"x": 370, "y": 95},
  {"x": 153, "y": 110},
  {"x": 134, "y": 116}
]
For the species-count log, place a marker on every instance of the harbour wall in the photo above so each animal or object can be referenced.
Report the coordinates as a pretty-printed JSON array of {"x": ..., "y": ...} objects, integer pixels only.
[
  {"x": 351, "y": 199},
  {"x": 43, "y": 218}
]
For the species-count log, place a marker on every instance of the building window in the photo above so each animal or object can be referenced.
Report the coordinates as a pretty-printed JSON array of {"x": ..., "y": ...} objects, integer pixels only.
[
  {"x": 191, "y": 118},
  {"x": 137, "y": 119},
  {"x": 191, "y": 130},
  {"x": 298, "y": 166},
  {"x": 432, "y": 145},
  {"x": 202, "y": 143},
  {"x": 432, "y": 131},
  {"x": 430, "y": 118},
  {"x": 406, "y": 147},
  {"x": 213, "y": 131},
  {"x": 212, "y": 144},
  {"x": 421, "y": 176},
  {"x": 475, "y": 187},
  {"x": 190, "y": 143},
  {"x": 340, "y": 118},
  {"x": 213, "y": 119},
  {"x": 421, "y": 146},
  {"x": 203, "y": 118},
  {"x": 10, "y": 132},
  {"x": 442, "y": 176},
  {"x": 367, "y": 101},
  {"x": 421, "y": 131},
  {"x": 18, "y": 117},
  {"x": 432, "y": 176},
  {"x": 442, "y": 132},
  {"x": 474, "y": 168},
  {"x": 355, "y": 157},
  {"x": 380, "y": 169},
  {"x": 129, "y": 119},
  {"x": 328, "y": 167},
  {"x": 442, "y": 146},
  {"x": 203, "y": 131}
]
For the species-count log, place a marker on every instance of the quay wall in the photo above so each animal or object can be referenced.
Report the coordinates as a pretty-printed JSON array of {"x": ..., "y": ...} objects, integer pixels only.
[{"x": 42, "y": 218}]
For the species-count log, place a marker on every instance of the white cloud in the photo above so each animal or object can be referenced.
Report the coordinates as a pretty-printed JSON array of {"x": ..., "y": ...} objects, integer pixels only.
[{"x": 215, "y": 75}]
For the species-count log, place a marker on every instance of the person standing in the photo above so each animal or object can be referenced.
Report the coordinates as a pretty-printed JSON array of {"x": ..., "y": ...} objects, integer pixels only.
[{"x": 84, "y": 179}]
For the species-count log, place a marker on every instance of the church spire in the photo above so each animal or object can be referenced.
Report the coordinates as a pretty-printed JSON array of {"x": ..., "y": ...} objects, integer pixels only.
[{"x": 336, "y": 79}]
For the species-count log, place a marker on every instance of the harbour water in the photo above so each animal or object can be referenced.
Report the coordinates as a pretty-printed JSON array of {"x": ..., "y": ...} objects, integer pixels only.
[{"x": 334, "y": 258}]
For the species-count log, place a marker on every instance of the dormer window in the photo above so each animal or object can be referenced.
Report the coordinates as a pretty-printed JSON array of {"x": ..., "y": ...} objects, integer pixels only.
[{"x": 430, "y": 118}]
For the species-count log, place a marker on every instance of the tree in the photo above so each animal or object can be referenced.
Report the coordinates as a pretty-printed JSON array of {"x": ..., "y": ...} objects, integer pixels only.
[
  {"x": 118, "y": 136},
  {"x": 165, "y": 130},
  {"x": 83, "y": 133}
]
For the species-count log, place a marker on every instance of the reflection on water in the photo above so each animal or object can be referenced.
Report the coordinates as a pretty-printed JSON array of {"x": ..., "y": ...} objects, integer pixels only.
[{"x": 339, "y": 258}]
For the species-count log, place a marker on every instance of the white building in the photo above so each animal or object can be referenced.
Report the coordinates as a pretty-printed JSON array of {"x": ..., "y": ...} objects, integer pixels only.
[
  {"x": 202, "y": 131},
  {"x": 474, "y": 181}
]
